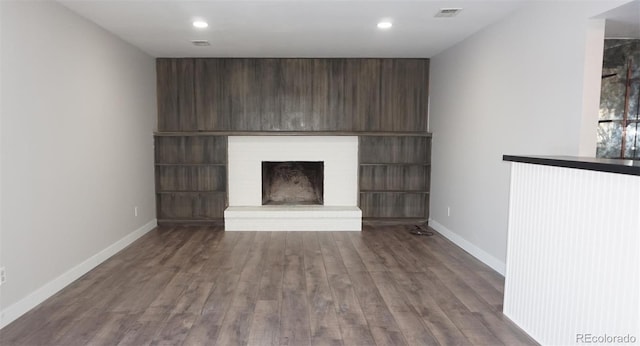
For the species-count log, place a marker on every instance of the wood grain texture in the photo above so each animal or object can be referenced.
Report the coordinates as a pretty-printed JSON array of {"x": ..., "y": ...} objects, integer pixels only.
[
  {"x": 384, "y": 327},
  {"x": 191, "y": 205},
  {"x": 400, "y": 149},
  {"x": 203, "y": 100},
  {"x": 176, "y": 94},
  {"x": 191, "y": 178},
  {"x": 209, "y": 94},
  {"x": 290, "y": 133},
  {"x": 322, "y": 310},
  {"x": 394, "y": 177},
  {"x": 362, "y": 86},
  {"x": 394, "y": 205},
  {"x": 294, "y": 310},
  {"x": 190, "y": 149},
  {"x": 328, "y": 101},
  {"x": 202, "y": 286},
  {"x": 296, "y": 95},
  {"x": 238, "y": 319},
  {"x": 404, "y": 95},
  {"x": 353, "y": 324},
  {"x": 212, "y": 95}
]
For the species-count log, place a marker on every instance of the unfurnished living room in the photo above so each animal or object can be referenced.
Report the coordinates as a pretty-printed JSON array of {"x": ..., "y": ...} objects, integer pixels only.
[{"x": 320, "y": 172}]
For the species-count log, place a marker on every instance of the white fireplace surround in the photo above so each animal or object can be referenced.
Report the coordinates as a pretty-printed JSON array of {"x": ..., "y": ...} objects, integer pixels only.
[{"x": 339, "y": 212}]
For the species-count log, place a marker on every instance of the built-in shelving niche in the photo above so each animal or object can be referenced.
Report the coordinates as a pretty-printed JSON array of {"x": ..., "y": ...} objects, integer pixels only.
[
  {"x": 191, "y": 178},
  {"x": 395, "y": 177}
]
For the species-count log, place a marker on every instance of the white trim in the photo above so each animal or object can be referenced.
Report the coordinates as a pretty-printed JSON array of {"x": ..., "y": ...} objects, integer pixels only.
[
  {"x": 293, "y": 218},
  {"x": 469, "y": 247},
  {"x": 36, "y": 297}
]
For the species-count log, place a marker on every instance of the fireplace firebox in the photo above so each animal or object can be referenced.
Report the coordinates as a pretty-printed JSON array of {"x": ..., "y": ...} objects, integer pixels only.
[{"x": 293, "y": 182}]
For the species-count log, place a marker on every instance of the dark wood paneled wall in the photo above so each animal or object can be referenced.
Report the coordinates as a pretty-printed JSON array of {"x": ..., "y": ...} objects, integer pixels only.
[
  {"x": 383, "y": 101},
  {"x": 292, "y": 94}
]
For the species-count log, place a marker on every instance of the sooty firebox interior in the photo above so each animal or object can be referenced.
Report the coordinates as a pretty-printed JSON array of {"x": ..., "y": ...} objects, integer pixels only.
[{"x": 292, "y": 182}]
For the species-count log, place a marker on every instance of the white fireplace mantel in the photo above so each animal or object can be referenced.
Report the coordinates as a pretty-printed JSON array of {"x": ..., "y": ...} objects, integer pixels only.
[{"x": 340, "y": 157}]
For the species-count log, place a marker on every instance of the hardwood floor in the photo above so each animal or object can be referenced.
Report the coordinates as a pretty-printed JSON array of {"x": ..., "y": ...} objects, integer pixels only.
[{"x": 201, "y": 286}]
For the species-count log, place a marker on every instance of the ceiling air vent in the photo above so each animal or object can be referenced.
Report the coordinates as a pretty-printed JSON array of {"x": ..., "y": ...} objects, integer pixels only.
[
  {"x": 200, "y": 43},
  {"x": 448, "y": 12}
]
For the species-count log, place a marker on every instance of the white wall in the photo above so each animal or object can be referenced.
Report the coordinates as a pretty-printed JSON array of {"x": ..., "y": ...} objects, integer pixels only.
[
  {"x": 514, "y": 88},
  {"x": 78, "y": 110}
]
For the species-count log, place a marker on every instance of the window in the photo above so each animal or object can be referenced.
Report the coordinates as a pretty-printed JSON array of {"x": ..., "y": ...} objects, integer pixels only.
[{"x": 619, "y": 119}]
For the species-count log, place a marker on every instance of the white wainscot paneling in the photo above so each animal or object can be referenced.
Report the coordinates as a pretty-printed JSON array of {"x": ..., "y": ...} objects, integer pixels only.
[{"x": 573, "y": 263}]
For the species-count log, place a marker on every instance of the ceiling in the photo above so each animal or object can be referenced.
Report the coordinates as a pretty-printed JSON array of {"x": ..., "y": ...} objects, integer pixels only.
[
  {"x": 301, "y": 28},
  {"x": 623, "y": 21},
  {"x": 309, "y": 28}
]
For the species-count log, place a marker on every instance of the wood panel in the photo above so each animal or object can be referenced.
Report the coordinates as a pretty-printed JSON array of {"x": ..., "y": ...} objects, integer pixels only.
[
  {"x": 176, "y": 95},
  {"x": 404, "y": 94},
  {"x": 190, "y": 150},
  {"x": 394, "y": 205},
  {"x": 233, "y": 96},
  {"x": 296, "y": 95},
  {"x": 191, "y": 206},
  {"x": 394, "y": 178},
  {"x": 266, "y": 85},
  {"x": 211, "y": 94},
  {"x": 362, "y": 93},
  {"x": 191, "y": 178},
  {"x": 328, "y": 102},
  {"x": 399, "y": 149},
  {"x": 237, "y": 80}
]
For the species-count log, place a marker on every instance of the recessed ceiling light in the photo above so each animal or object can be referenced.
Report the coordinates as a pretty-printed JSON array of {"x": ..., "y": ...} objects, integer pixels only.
[
  {"x": 384, "y": 25},
  {"x": 200, "y": 24}
]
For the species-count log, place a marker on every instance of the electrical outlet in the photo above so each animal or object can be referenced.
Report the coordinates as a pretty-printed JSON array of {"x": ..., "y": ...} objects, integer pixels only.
[
  {"x": 135, "y": 211},
  {"x": 3, "y": 275},
  {"x": 448, "y": 211}
]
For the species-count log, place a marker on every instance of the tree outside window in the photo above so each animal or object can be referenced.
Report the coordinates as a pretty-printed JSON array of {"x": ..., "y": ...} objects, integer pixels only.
[{"x": 619, "y": 119}]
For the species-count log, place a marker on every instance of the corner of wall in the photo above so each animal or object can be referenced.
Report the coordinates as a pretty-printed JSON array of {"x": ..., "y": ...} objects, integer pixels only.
[
  {"x": 19, "y": 308},
  {"x": 594, "y": 50},
  {"x": 483, "y": 256}
]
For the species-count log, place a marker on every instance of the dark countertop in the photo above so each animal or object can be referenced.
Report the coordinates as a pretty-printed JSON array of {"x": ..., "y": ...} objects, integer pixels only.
[{"x": 631, "y": 167}]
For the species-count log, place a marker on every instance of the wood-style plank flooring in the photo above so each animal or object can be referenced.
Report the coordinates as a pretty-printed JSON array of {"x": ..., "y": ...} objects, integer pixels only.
[{"x": 202, "y": 286}]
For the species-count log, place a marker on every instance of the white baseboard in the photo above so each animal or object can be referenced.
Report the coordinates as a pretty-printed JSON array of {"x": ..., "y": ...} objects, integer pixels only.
[
  {"x": 21, "y": 307},
  {"x": 475, "y": 251}
]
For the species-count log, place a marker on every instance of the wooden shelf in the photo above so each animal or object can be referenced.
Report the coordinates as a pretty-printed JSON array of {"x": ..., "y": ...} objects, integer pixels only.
[
  {"x": 394, "y": 191},
  {"x": 216, "y": 221},
  {"x": 394, "y": 220},
  {"x": 394, "y": 177},
  {"x": 290, "y": 133},
  {"x": 191, "y": 164},
  {"x": 195, "y": 191},
  {"x": 395, "y": 164}
]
